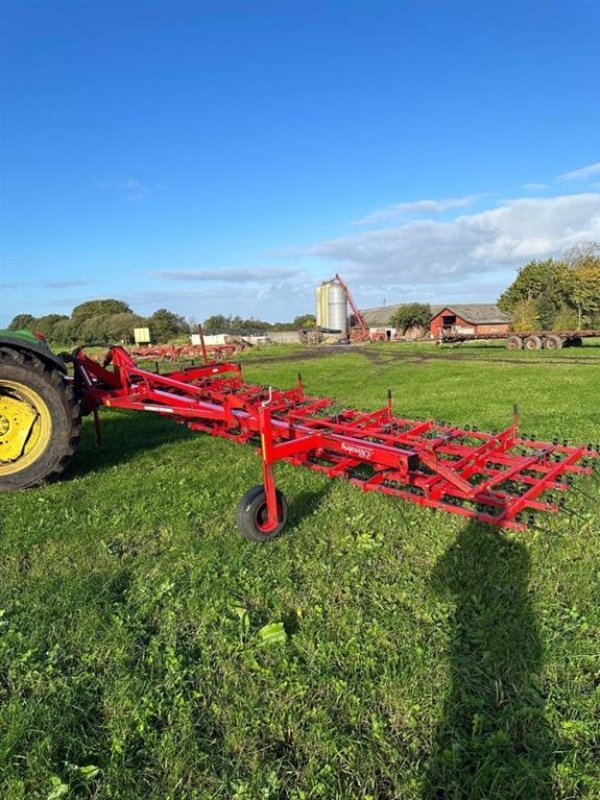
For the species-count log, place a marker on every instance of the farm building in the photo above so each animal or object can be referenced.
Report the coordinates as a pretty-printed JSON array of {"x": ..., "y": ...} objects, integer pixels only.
[
  {"x": 379, "y": 320},
  {"x": 474, "y": 318}
]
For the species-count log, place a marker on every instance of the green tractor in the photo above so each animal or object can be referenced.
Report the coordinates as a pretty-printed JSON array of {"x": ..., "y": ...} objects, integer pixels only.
[{"x": 40, "y": 418}]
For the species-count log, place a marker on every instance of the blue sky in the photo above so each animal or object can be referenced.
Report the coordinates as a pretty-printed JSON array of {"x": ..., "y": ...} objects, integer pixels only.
[{"x": 225, "y": 157}]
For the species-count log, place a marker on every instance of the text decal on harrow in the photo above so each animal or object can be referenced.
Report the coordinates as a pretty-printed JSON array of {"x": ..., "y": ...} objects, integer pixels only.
[{"x": 498, "y": 478}]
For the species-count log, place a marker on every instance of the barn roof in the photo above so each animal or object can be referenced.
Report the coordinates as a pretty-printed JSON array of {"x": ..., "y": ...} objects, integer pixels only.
[
  {"x": 379, "y": 317},
  {"x": 476, "y": 313},
  {"x": 472, "y": 312}
]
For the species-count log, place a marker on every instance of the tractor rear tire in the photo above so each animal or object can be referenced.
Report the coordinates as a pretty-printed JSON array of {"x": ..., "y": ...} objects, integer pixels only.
[
  {"x": 40, "y": 421},
  {"x": 252, "y": 513}
]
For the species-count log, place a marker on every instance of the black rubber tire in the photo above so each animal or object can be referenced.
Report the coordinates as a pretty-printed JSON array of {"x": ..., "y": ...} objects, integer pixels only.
[
  {"x": 252, "y": 505},
  {"x": 576, "y": 341},
  {"x": 553, "y": 342},
  {"x": 48, "y": 382},
  {"x": 533, "y": 343},
  {"x": 514, "y": 343}
]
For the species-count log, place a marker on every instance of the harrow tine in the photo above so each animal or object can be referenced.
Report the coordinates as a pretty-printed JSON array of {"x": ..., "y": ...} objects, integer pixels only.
[
  {"x": 536, "y": 526},
  {"x": 583, "y": 494},
  {"x": 572, "y": 512},
  {"x": 97, "y": 429}
]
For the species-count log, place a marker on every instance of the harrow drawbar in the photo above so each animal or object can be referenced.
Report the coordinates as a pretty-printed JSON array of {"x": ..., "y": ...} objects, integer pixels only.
[{"x": 502, "y": 479}]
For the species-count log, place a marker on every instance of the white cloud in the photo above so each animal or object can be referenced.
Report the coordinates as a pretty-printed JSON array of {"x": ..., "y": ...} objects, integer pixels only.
[
  {"x": 135, "y": 189},
  {"x": 227, "y": 274},
  {"x": 534, "y": 187},
  {"x": 131, "y": 188},
  {"x": 272, "y": 299},
  {"x": 400, "y": 211},
  {"x": 441, "y": 255},
  {"x": 583, "y": 174},
  {"x": 66, "y": 284}
]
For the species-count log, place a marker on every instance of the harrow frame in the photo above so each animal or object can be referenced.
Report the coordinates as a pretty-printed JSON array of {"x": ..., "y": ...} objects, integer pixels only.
[{"x": 497, "y": 478}]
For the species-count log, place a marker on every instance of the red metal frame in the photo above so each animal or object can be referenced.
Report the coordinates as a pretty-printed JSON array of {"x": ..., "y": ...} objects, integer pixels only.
[
  {"x": 173, "y": 352},
  {"x": 495, "y": 478}
]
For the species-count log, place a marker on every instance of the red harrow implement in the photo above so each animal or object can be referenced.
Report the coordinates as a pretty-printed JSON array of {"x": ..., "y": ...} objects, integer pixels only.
[
  {"x": 173, "y": 352},
  {"x": 500, "y": 478}
]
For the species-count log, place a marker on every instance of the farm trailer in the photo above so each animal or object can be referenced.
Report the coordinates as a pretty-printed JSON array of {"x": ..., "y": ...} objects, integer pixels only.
[
  {"x": 502, "y": 479},
  {"x": 528, "y": 340}
]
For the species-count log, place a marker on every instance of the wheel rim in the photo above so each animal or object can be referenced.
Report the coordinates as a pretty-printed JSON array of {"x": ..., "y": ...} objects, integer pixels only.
[
  {"x": 25, "y": 427},
  {"x": 261, "y": 517}
]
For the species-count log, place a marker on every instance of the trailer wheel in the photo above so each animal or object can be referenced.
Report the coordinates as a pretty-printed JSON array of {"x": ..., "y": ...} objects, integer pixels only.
[
  {"x": 514, "y": 343},
  {"x": 553, "y": 342},
  {"x": 576, "y": 341},
  {"x": 39, "y": 421},
  {"x": 251, "y": 515},
  {"x": 533, "y": 343}
]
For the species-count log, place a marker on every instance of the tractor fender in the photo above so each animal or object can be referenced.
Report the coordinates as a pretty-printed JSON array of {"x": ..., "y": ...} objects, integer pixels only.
[{"x": 40, "y": 350}]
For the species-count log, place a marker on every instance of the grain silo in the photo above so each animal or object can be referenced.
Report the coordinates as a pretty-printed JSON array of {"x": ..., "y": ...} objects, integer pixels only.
[{"x": 332, "y": 307}]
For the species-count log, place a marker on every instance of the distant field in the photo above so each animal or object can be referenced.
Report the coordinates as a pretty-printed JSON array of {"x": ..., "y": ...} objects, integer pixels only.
[{"x": 421, "y": 657}]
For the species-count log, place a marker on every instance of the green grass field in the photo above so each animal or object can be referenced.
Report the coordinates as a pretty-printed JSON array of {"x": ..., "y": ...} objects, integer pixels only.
[{"x": 376, "y": 650}]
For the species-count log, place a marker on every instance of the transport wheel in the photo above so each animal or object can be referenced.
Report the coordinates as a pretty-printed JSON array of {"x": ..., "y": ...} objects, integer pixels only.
[
  {"x": 39, "y": 421},
  {"x": 553, "y": 342},
  {"x": 251, "y": 515},
  {"x": 514, "y": 343},
  {"x": 533, "y": 343},
  {"x": 577, "y": 341}
]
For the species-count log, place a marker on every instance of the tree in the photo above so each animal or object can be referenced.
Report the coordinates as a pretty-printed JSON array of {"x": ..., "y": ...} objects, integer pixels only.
[
  {"x": 94, "y": 308},
  {"x": 525, "y": 316},
  {"x": 47, "y": 325},
  {"x": 304, "y": 321},
  {"x": 218, "y": 322},
  {"x": 165, "y": 325},
  {"x": 221, "y": 324},
  {"x": 22, "y": 321},
  {"x": 573, "y": 282},
  {"x": 584, "y": 254},
  {"x": 566, "y": 319},
  {"x": 253, "y": 324},
  {"x": 546, "y": 310},
  {"x": 64, "y": 332},
  {"x": 92, "y": 330},
  {"x": 119, "y": 327},
  {"x": 411, "y": 315},
  {"x": 533, "y": 280},
  {"x": 582, "y": 278}
]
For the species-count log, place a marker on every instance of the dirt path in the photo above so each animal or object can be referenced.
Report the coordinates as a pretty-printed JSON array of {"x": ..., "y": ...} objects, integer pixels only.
[{"x": 385, "y": 358}]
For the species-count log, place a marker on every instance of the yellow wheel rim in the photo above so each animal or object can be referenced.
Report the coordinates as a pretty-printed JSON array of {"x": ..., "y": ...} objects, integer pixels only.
[{"x": 25, "y": 427}]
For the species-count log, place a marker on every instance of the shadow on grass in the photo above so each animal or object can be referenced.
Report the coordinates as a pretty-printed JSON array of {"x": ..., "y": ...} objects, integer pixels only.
[
  {"x": 124, "y": 435},
  {"x": 127, "y": 434},
  {"x": 493, "y": 740},
  {"x": 305, "y": 504}
]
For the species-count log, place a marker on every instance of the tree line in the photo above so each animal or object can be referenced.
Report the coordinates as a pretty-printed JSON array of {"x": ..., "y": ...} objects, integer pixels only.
[
  {"x": 113, "y": 321},
  {"x": 562, "y": 294},
  {"x": 102, "y": 321},
  {"x": 219, "y": 323}
]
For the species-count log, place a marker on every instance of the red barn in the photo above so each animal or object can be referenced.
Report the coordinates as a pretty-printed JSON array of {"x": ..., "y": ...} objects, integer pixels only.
[{"x": 475, "y": 319}]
